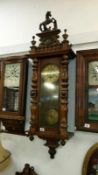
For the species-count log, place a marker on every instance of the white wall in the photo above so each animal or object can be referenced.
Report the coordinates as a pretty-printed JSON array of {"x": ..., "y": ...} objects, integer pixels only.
[
  {"x": 68, "y": 160},
  {"x": 19, "y": 21}
]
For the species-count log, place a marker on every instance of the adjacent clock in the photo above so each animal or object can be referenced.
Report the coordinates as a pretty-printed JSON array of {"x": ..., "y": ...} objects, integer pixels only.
[
  {"x": 49, "y": 91},
  {"x": 87, "y": 90},
  {"x": 13, "y": 93}
]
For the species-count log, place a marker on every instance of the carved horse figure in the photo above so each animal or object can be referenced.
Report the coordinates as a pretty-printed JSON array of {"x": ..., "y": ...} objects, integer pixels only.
[{"x": 43, "y": 25}]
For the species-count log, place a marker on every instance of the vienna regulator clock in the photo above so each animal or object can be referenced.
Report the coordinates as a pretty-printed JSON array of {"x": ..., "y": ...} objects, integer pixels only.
[
  {"x": 87, "y": 90},
  {"x": 50, "y": 85},
  {"x": 13, "y": 80}
]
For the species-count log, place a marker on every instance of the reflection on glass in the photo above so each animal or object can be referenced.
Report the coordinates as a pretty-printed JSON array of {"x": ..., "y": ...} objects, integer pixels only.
[
  {"x": 49, "y": 94},
  {"x": 49, "y": 85},
  {"x": 93, "y": 104},
  {"x": 11, "y": 87}
]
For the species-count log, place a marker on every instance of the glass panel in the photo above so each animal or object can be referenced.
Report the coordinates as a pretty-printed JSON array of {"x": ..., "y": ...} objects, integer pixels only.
[
  {"x": 49, "y": 96},
  {"x": 11, "y": 87},
  {"x": 93, "y": 104},
  {"x": 93, "y": 73}
]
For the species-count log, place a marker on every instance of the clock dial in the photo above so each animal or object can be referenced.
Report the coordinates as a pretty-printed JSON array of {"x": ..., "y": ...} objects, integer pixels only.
[
  {"x": 12, "y": 75},
  {"x": 50, "y": 73},
  {"x": 52, "y": 117},
  {"x": 93, "y": 73}
]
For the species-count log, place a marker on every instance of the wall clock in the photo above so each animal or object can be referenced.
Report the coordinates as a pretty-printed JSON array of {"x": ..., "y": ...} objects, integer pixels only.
[
  {"x": 49, "y": 91},
  {"x": 87, "y": 90},
  {"x": 13, "y": 93}
]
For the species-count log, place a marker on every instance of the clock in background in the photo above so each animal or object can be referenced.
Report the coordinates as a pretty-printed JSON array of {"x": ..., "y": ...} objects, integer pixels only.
[
  {"x": 87, "y": 90},
  {"x": 13, "y": 92}
]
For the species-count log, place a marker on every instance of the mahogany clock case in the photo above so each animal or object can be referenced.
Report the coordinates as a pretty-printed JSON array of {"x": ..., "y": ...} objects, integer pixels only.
[
  {"x": 13, "y": 84},
  {"x": 87, "y": 90},
  {"x": 49, "y": 91}
]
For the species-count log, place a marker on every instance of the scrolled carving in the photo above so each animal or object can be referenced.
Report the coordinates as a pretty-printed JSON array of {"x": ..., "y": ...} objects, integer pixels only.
[
  {"x": 34, "y": 96},
  {"x": 63, "y": 94},
  {"x": 33, "y": 112},
  {"x": 34, "y": 93},
  {"x": 65, "y": 60},
  {"x": 63, "y": 122},
  {"x": 63, "y": 112},
  {"x": 35, "y": 61}
]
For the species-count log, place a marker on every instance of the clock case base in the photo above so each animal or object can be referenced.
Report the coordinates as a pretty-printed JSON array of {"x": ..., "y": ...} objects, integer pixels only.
[{"x": 52, "y": 142}]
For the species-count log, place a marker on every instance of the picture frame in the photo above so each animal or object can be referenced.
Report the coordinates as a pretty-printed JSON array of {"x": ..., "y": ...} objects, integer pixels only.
[{"x": 90, "y": 163}]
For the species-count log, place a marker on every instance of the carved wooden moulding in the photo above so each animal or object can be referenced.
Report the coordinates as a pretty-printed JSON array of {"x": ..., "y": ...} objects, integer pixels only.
[
  {"x": 49, "y": 91},
  {"x": 27, "y": 170}
]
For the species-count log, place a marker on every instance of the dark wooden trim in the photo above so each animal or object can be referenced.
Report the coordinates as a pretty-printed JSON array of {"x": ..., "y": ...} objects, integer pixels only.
[{"x": 14, "y": 122}]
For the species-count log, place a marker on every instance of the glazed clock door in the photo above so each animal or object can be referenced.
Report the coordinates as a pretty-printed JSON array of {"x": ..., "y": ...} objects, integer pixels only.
[
  {"x": 13, "y": 93},
  {"x": 87, "y": 91},
  {"x": 49, "y": 95},
  {"x": 11, "y": 85},
  {"x": 93, "y": 91}
]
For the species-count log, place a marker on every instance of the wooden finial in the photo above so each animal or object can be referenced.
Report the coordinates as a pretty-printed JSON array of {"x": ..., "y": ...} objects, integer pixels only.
[
  {"x": 33, "y": 42},
  {"x": 65, "y": 35}
]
